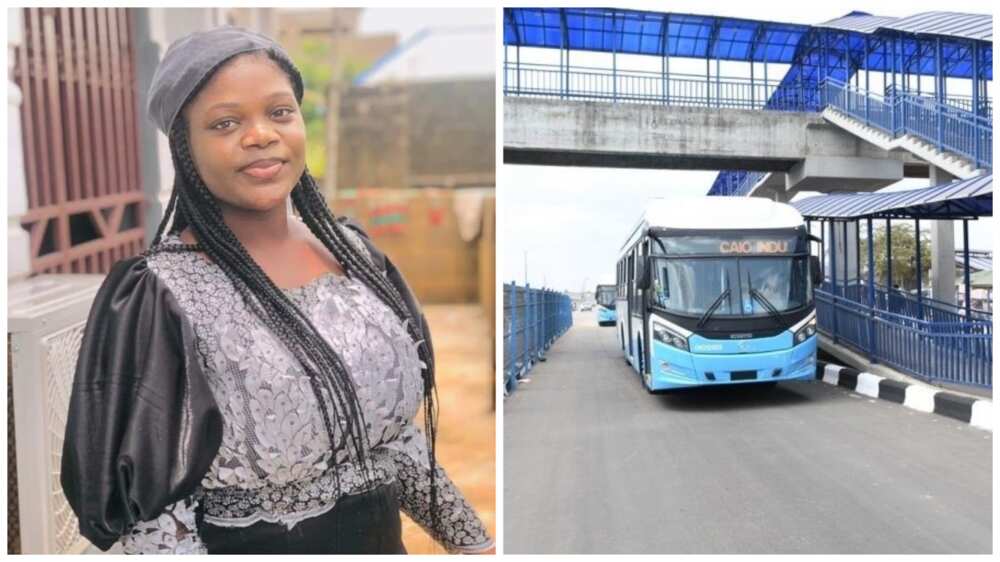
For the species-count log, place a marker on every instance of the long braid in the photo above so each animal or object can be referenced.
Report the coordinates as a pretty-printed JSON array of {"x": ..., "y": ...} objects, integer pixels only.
[
  {"x": 328, "y": 376},
  {"x": 317, "y": 216}
]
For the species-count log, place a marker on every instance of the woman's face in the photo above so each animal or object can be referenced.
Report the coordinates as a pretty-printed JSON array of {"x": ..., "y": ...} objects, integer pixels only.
[{"x": 247, "y": 135}]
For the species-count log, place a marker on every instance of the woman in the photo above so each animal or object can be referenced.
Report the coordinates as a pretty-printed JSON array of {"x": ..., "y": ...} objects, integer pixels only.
[{"x": 248, "y": 384}]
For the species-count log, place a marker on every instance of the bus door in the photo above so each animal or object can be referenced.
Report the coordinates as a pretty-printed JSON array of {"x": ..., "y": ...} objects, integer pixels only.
[
  {"x": 629, "y": 290},
  {"x": 643, "y": 308}
]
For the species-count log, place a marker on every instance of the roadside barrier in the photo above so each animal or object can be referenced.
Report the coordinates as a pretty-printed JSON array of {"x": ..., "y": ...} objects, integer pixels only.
[{"x": 532, "y": 320}]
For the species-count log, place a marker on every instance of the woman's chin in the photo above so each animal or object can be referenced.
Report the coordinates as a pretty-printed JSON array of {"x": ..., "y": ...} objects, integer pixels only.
[{"x": 262, "y": 201}]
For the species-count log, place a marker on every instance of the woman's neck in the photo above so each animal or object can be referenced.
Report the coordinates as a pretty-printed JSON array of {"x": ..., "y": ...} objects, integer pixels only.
[{"x": 259, "y": 229}]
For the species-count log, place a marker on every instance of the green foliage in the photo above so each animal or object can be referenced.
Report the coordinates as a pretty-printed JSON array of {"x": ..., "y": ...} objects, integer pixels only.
[
  {"x": 903, "y": 256},
  {"x": 315, "y": 60}
]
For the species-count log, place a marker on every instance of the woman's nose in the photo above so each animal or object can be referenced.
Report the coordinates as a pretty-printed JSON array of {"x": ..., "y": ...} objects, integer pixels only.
[{"x": 259, "y": 134}]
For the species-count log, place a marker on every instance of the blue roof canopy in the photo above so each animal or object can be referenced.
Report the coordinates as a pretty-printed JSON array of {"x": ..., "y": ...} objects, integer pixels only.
[
  {"x": 971, "y": 198},
  {"x": 652, "y": 33},
  {"x": 848, "y": 38}
]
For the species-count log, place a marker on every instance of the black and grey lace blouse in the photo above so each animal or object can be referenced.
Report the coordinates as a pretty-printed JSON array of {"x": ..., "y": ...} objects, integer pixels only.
[{"x": 275, "y": 462}]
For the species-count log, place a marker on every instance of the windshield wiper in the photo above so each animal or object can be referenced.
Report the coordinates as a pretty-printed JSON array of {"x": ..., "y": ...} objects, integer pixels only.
[
  {"x": 767, "y": 304},
  {"x": 711, "y": 310},
  {"x": 755, "y": 294}
]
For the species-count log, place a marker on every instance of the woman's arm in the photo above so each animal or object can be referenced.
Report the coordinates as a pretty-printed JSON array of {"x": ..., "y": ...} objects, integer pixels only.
[{"x": 459, "y": 530}]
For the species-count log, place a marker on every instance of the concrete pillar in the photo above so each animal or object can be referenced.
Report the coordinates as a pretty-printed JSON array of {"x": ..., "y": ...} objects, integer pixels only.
[
  {"x": 18, "y": 241},
  {"x": 942, "y": 248}
]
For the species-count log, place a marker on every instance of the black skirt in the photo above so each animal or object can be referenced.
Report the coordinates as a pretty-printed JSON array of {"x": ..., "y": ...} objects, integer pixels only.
[{"x": 366, "y": 523}]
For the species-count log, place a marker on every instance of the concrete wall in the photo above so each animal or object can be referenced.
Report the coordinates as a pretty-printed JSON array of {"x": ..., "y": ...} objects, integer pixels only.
[
  {"x": 430, "y": 134},
  {"x": 582, "y": 133}
]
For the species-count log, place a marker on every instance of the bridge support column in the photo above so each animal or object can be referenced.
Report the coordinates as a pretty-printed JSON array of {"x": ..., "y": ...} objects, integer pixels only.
[{"x": 942, "y": 248}]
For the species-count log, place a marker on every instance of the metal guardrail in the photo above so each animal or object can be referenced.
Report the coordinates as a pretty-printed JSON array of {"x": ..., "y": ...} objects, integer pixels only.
[
  {"x": 899, "y": 302},
  {"x": 900, "y": 113},
  {"x": 532, "y": 320},
  {"x": 939, "y": 350},
  {"x": 635, "y": 86}
]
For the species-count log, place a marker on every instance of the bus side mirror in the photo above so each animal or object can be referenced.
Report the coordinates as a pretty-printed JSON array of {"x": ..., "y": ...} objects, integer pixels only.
[
  {"x": 815, "y": 270},
  {"x": 642, "y": 276}
]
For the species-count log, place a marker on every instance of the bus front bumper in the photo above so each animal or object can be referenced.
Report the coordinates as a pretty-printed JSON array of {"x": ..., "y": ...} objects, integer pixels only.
[{"x": 673, "y": 368}]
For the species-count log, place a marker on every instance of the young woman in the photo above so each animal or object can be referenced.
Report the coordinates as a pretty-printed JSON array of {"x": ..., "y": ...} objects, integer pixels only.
[{"x": 248, "y": 384}]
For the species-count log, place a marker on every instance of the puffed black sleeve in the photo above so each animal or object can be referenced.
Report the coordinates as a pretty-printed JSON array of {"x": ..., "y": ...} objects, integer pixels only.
[{"x": 143, "y": 426}]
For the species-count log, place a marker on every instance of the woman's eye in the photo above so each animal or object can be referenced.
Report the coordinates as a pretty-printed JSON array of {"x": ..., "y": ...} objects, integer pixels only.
[
  {"x": 282, "y": 112},
  {"x": 223, "y": 125}
]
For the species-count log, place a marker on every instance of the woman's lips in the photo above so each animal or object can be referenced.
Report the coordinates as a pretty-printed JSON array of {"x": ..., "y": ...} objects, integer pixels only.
[{"x": 264, "y": 170}]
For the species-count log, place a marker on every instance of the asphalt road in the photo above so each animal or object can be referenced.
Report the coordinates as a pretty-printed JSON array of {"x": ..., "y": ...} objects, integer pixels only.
[{"x": 594, "y": 464}]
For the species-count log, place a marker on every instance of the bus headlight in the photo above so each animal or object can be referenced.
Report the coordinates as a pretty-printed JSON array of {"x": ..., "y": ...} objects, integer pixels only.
[
  {"x": 806, "y": 332},
  {"x": 663, "y": 335}
]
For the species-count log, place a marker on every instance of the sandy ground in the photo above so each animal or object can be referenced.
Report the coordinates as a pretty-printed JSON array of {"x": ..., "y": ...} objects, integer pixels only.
[{"x": 466, "y": 434}]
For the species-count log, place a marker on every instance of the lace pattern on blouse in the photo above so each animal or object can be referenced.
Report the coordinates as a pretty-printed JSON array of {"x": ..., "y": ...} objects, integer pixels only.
[
  {"x": 276, "y": 462},
  {"x": 291, "y": 503},
  {"x": 173, "y": 532}
]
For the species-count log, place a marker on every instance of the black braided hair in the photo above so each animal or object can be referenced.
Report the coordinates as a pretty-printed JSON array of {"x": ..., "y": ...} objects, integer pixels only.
[{"x": 193, "y": 205}]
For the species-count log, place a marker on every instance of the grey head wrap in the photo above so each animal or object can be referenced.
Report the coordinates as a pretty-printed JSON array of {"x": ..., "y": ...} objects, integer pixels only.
[{"x": 192, "y": 58}]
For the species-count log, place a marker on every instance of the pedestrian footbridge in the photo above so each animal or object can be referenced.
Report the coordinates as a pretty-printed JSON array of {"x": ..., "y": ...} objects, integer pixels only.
[{"x": 860, "y": 103}]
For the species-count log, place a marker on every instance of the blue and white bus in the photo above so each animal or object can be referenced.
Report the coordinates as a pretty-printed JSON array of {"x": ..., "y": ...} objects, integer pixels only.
[
  {"x": 605, "y": 298},
  {"x": 718, "y": 290}
]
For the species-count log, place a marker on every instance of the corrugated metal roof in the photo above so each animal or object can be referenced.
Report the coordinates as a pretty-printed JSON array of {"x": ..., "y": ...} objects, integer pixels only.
[
  {"x": 948, "y": 24},
  {"x": 858, "y": 21},
  {"x": 966, "y": 198},
  {"x": 951, "y": 24},
  {"x": 976, "y": 263}
]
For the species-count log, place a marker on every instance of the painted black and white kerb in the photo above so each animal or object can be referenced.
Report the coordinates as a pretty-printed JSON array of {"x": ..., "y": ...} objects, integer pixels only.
[{"x": 978, "y": 413}]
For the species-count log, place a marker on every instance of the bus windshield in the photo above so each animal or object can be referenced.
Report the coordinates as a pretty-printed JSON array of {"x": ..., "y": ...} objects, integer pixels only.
[
  {"x": 691, "y": 285},
  {"x": 606, "y": 296}
]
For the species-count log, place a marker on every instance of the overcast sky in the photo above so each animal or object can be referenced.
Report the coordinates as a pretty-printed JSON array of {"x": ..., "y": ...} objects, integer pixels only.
[{"x": 568, "y": 224}]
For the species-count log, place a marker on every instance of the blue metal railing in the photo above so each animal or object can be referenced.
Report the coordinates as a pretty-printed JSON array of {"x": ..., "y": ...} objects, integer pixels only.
[
  {"x": 636, "y": 86},
  {"x": 935, "y": 344},
  {"x": 899, "y": 302},
  {"x": 532, "y": 320},
  {"x": 899, "y": 113}
]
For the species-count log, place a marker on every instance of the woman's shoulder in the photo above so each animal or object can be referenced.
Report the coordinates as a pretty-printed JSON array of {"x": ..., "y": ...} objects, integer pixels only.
[{"x": 167, "y": 271}]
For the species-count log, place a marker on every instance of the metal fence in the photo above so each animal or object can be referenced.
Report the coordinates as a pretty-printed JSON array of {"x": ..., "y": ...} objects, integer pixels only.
[
  {"x": 532, "y": 320},
  {"x": 79, "y": 115},
  {"x": 921, "y": 338},
  {"x": 899, "y": 113},
  {"x": 636, "y": 86}
]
